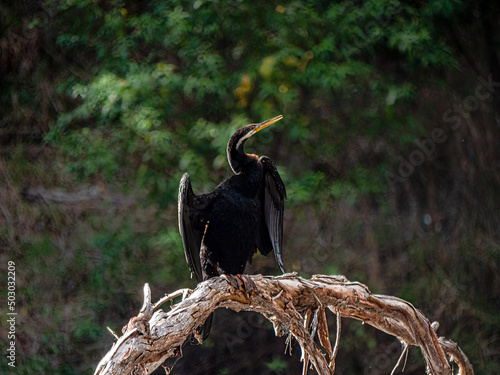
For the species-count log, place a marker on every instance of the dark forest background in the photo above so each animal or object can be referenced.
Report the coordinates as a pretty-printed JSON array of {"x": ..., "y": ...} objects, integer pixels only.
[{"x": 389, "y": 149}]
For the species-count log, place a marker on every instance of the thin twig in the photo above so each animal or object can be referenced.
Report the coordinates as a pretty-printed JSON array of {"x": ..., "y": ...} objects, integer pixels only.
[
  {"x": 113, "y": 333},
  {"x": 404, "y": 354},
  {"x": 337, "y": 341},
  {"x": 169, "y": 297}
]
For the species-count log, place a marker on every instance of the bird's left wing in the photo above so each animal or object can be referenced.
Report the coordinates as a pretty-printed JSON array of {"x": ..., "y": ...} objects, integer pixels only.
[
  {"x": 191, "y": 238},
  {"x": 274, "y": 197}
]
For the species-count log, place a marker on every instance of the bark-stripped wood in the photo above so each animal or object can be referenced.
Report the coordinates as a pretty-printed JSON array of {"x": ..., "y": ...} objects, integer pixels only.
[{"x": 288, "y": 300}]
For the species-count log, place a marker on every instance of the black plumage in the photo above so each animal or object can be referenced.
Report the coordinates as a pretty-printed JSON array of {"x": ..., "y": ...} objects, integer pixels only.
[{"x": 222, "y": 230}]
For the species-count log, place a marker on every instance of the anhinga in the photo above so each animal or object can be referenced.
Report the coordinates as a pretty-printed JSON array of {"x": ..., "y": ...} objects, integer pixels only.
[{"x": 221, "y": 230}]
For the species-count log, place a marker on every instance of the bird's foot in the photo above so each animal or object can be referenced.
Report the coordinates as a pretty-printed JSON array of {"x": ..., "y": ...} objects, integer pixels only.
[
  {"x": 242, "y": 283},
  {"x": 248, "y": 283}
]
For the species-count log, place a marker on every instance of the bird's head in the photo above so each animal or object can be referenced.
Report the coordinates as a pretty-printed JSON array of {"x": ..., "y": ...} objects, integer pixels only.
[{"x": 235, "y": 152}]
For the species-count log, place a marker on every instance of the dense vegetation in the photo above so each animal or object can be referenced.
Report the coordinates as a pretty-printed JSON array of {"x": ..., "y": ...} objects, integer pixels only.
[{"x": 389, "y": 148}]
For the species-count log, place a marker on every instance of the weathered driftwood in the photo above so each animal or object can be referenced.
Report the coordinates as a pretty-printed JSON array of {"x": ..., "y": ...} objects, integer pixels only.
[{"x": 287, "y": 301}]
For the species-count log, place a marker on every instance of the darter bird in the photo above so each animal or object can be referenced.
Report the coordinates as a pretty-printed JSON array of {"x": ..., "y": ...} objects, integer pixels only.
[{"x": 222, "y": 230}]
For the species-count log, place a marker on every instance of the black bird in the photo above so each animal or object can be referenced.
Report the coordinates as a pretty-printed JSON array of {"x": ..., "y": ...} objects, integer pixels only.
[{"x": 221, "y": 230}]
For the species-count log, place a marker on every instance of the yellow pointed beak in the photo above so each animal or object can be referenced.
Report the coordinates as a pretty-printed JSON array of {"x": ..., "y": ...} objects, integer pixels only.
[{"x": 266, "y": 123}]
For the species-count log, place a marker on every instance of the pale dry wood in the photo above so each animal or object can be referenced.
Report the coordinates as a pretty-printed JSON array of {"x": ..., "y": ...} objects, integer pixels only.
[
  {"x": 289, "y": 301},
  {"x": 457, "y": 355}
]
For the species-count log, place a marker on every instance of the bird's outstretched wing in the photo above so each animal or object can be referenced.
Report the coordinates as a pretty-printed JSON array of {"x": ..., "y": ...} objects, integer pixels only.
[
  {"x": 274, "y": 197},
  {"x": 191, "y": 237}
]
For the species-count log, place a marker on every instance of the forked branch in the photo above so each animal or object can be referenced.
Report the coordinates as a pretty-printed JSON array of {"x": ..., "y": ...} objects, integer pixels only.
[{"x": 290, "y": 301}]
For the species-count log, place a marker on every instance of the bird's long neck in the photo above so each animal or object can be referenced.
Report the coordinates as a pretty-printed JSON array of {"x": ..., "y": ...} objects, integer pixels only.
[{"x": 238, "y": 159}]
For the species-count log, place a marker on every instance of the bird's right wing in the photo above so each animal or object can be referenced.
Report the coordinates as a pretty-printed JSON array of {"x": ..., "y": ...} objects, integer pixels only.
[
  {"x": 191, "y": 238},
  {"x": 274, "y": 197}
]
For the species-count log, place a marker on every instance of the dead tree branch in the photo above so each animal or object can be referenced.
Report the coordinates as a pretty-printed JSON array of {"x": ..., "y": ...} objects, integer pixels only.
[{"x": 287, "y": 301}]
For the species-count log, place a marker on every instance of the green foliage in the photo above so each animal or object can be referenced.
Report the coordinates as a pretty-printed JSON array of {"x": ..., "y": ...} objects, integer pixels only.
[
  {"x": 277, "y": 365},
  {"x": 303, "y": 190},
  {"x": 167, "y": 64}
]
